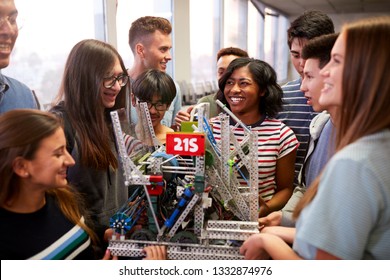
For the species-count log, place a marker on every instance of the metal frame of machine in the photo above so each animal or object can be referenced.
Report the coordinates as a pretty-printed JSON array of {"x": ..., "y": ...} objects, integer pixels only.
[{"x": 193, "y": 201}]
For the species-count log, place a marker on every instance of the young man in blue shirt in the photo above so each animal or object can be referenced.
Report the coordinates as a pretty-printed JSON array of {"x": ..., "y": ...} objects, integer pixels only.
[
  {"x": 13, "y": 94},
  {"x": 296, "y": 113}
]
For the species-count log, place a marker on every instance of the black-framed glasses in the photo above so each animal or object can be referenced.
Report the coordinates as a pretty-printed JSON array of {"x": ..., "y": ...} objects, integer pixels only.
[
  {"x": 159, "y": 105},
  {"x": 122, "y": 79}
]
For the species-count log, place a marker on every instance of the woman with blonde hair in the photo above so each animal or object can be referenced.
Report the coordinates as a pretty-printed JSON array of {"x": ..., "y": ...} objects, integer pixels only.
[{"x": 345, "y": 213}]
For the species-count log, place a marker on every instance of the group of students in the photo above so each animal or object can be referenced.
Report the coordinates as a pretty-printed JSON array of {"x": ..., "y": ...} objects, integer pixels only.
[
  {"x": 343, "y": 213},
  {"x": 94, "y": 83}
]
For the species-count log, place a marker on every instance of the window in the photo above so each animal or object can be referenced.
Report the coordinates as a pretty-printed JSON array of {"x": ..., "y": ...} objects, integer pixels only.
[
  {"x": 130, "y": 10},
  {"x": 50, "y": 30},
  {"x": 275, "y": 43},
  {"x": 255, "y": 32},
  {"x": 205, "y": 18},
  {"x": 235, "y": 23},
  {"x": 46, "y": 38}
]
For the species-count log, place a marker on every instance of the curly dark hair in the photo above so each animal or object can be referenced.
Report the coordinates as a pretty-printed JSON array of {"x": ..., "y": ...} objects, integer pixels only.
[{"x": 264, "y": 76}]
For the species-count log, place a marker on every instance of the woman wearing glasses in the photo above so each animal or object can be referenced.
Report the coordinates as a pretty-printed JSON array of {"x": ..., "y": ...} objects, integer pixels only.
[
  {"x": 92, "y": 86},
  {"x": 158, "y": 90}
]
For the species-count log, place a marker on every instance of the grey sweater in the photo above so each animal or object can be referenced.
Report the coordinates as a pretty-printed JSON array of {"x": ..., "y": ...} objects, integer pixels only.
[{"x": 316, "y": 127}]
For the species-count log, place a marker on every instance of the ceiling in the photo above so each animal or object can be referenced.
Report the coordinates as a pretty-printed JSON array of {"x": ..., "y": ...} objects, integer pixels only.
[{"x": 296, "y": 7}]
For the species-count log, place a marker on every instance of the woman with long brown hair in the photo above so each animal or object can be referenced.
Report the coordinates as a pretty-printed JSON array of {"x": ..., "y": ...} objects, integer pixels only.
[
  {"x": 41, "y": 216},
  {"x": 94, "y": 84},
  {"x": 345, "y": 213}
]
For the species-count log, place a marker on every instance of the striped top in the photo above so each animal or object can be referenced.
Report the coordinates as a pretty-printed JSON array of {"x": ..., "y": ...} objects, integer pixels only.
[
  {"x": 275, "y": 141},
  {"x": 297, "y": 115},
  {"x": 132, "y": 144},
  {"x": 45, "y": 235}
]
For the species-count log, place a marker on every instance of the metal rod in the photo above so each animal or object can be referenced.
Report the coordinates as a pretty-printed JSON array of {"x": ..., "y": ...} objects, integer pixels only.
[{"x": 223, "y": 106}]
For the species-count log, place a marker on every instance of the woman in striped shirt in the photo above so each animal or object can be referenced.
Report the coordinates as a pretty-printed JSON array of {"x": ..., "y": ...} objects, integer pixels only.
[{"x": 250, "y": 91}]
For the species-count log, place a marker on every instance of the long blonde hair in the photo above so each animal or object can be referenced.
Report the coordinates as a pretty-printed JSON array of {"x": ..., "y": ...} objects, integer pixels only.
[{"x": 365, "y": 87}]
